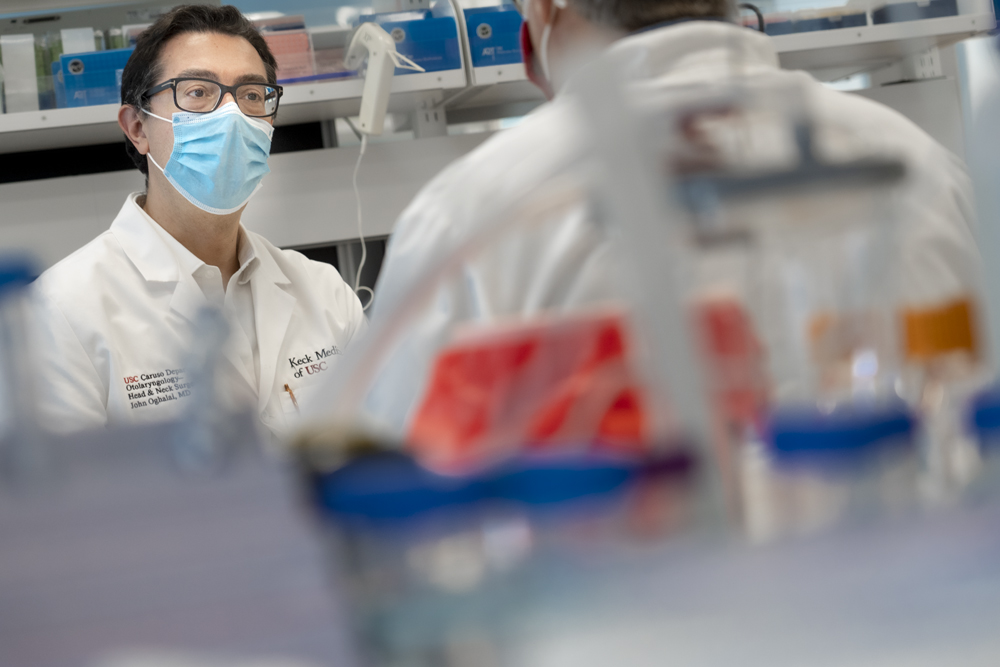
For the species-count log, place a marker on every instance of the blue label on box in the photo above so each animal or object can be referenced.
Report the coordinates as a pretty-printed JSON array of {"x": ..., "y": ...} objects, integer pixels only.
[
  {"x": 85, "y": 79},
  {"x": 429, "y": 41},
  {"x": 494, "y": 35}
]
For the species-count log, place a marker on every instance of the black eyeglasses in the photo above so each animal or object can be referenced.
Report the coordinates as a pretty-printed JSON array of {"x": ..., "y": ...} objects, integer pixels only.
[{"x": 259, "y": 100}]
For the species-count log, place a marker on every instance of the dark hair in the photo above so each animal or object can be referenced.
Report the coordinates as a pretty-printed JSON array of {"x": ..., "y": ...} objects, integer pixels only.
[
  {"x": 144, "y": 68},
  {"x": 631, "y": 15}
]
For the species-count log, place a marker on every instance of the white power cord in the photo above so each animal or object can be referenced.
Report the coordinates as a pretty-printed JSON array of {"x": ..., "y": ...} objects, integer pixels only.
[{"x": 361, "y": 233}]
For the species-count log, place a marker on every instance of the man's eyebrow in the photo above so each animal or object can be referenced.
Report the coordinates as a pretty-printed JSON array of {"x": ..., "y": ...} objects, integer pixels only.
[
  {"x": 250, "y": 78},
  {"x": 198, "y": 73},
  {"x": 209, "y": 74}
]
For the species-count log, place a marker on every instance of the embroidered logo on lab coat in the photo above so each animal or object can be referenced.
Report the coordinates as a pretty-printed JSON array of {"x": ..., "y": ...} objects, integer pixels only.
[
  {"x": 156, "y": 387},
  {"x": 311, "y": 364}
]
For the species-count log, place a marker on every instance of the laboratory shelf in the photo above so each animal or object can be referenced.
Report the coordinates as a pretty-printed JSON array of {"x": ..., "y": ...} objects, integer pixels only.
[
  {"x": 301, "y": 103},
  {"x": 484, "y": 76},
  {"x": 833, "y": 54},
  {"x": 484, "y": 93}
]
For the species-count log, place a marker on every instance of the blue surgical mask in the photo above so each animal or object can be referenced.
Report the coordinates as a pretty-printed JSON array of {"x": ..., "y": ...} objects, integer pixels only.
[{"x": 219, "y": 158}]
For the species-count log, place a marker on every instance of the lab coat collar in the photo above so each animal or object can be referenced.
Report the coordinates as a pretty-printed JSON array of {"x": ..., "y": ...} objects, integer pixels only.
[
  {"x": 139, "y": 236},
  {"x": 248, "y": 257},
  {"x": 692, "y": 45},
  {"x": 160, "y": 257},
  {"x": 689, "y": 47}
]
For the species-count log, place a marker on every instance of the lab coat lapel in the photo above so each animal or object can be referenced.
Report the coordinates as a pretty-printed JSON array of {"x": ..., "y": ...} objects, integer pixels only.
[
  {"x": 273, "y": 308},
  {"x": 146, "y": 245}
]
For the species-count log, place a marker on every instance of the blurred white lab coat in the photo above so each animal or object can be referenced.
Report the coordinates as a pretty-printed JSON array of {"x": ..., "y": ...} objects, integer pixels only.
[
  {"x": 565, "y": 262},
  {"x": 116, "y": 319}
]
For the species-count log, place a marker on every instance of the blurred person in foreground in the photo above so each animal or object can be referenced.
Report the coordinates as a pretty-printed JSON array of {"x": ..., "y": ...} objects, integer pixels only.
[
  {"x": 668, "y": 45},
  {"x": 199, "y": 98}
]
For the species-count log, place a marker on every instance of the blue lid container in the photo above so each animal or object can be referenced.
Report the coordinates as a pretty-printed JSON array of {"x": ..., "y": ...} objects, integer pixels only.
[
  {"x": 984, "y": 415},
  {"x": 844, "y": 437},
  {"x": 16, "y": 272},
  {"x": 393, "y": 486}
]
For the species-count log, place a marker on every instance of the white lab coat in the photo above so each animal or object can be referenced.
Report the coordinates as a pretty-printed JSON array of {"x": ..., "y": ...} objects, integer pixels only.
[
  {"x": 116, "y": 320},
  {"x": 565, "y": 263}
]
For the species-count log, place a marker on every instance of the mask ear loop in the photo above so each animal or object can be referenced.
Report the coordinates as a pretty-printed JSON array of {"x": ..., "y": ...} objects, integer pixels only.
[{"x": 150, "y": 153}]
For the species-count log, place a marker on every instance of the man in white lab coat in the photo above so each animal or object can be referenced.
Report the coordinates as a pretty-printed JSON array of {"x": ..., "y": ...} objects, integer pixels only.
[
  {"x": 669, "y": 46},
  {"x": 117, "y": 316}
]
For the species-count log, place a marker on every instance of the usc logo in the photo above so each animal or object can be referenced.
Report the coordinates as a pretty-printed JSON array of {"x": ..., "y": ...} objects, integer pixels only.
[{"x": 311, "y": 369}]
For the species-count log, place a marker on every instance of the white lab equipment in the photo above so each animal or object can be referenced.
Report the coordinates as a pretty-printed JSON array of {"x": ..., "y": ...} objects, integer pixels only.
[{"x": 371, "y": 44}]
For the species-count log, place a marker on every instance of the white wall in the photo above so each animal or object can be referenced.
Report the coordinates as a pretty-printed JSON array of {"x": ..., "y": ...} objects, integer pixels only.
[{"x": 307, "y": 198}]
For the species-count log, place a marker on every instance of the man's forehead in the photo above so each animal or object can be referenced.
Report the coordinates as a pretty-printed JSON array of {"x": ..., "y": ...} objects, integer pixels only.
[{"x": 212, "y": 56}]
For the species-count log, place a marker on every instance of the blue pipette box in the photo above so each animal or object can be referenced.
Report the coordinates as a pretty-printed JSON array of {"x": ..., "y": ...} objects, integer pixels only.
[
  {"x": 428, "y": 40},
  {"x": 494, "y": 35},
  {"x": 85, "y": 79}
]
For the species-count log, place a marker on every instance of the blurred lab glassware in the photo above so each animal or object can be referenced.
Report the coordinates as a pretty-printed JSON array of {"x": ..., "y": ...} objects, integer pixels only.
[
  {"x": 792, "y": 284},
  {"x": 943, "y": 373},
  {"x": 461, "y": 570},
  {"x": 24, "y": 455},
  {"x": 209, "y": 429}
]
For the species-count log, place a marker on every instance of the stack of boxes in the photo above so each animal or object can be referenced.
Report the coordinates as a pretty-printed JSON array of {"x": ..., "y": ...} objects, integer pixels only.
[{"x": 289, "y": 41}]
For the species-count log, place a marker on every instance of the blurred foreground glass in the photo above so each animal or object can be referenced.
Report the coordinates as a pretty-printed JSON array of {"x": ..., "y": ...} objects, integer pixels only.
[
  {"x": 790, "y": 269},
  {"x": 24, "y": 455},
  {"x": 464, "y": 569}
]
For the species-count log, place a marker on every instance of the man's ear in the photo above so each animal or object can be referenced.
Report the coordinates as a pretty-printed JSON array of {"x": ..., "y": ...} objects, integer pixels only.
[{"x": 131, "y": 124}]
